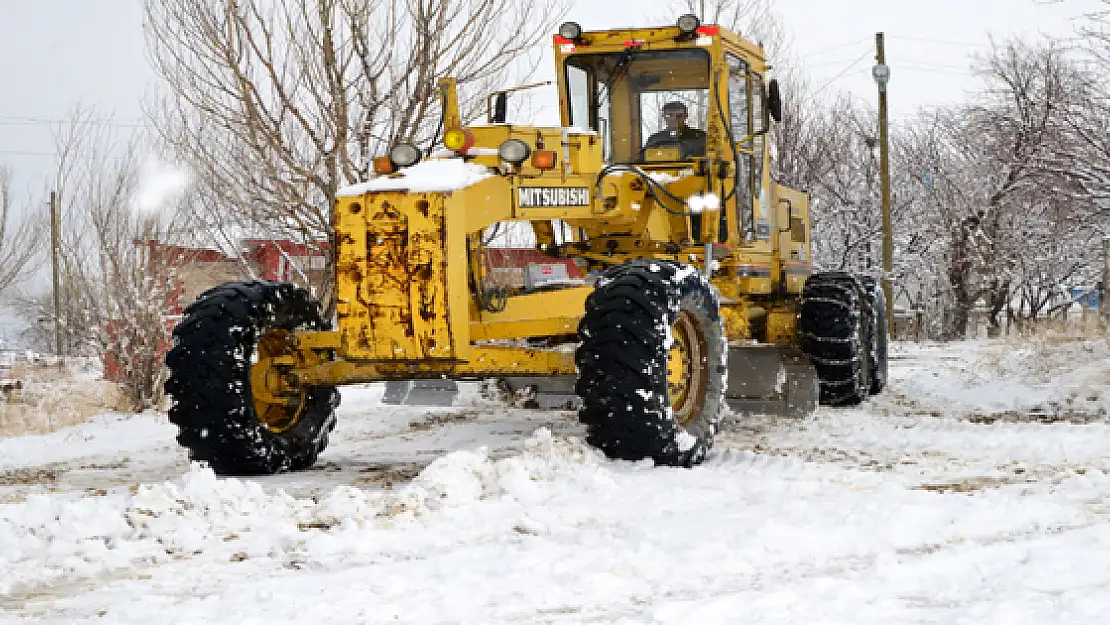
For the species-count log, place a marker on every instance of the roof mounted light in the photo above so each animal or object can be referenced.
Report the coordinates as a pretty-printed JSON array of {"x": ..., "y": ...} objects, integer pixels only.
[
  {"x": 570, "y": 30},
  {"x": 514, "y": 151},
  {"x": 688, "y": 24},
  {"x": 404, "y": 155}
]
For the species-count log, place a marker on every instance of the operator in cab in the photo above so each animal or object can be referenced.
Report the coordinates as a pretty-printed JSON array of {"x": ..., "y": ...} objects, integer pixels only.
[{"x": 690, "y": 141}]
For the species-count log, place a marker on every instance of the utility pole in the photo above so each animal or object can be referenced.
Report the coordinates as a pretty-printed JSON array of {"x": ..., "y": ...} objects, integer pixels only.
[
  {"x": 881, "y": 73},
  {"x": 55, "y": 238},
  {"x": 1103, "y": 305}
]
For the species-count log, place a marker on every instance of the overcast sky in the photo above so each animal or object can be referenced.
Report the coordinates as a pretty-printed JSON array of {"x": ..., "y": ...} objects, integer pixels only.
[{"x": 58, "y": 53}]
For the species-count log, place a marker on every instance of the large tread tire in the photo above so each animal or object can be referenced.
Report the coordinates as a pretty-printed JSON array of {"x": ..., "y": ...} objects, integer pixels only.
[
  {"x": 880, "y": 335},
  {"x": 210, "y": 381},
  {"x": 834, "y": 331},
  {"x": 623, "y": 380}
]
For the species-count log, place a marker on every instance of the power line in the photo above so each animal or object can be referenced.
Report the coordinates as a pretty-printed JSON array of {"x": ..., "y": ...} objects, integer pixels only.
[
  {"x": 943, "y": 42},
  {"x": 840, "y": 46},
  {"x": 826, "y": 63},
  {"x": 26, "y": 153},
  {"x": 56, "y": 155},
  {"x": 60, "y": 123},
  {"x": 914, "y": 63},
  {"x": 842, "y": 72},
  {"x": 933, "y": 69},
  {"x": 19, "y": 120}
]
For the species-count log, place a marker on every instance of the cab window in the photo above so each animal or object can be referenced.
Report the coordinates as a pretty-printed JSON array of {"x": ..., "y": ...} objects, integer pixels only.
[{"x": 621, "y": 95}]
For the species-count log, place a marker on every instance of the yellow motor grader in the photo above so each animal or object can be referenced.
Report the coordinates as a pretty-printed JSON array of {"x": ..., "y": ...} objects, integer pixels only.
[{"x": 694, "y": 286}]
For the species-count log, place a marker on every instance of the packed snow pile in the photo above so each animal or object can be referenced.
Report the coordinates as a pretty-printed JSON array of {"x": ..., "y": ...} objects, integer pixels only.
[
  {"x": 951, "y": 498},
  {"x": 48, "y": 537}
]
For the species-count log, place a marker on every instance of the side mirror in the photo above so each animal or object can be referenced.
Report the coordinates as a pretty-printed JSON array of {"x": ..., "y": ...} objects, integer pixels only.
[
  {"x": 500, "y": 105},
  {"x": 774, "y": 100}
]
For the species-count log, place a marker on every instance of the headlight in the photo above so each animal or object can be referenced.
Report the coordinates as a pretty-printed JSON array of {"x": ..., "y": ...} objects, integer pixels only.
[
  {"x": 696, "y": 203},
  {"x": 688, "y": 23},
  {"x": 514, "y": 151},
  {"x": 570, "y": 30},
  {"x": 404, "y": 155}
]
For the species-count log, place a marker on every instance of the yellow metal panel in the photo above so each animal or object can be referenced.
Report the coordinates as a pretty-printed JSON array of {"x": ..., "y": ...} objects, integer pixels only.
[
  {"x": 796, "y": 275},
  {"x": 737, "y": 327},
  {"x": 522, "y": 328},
  {"x": 350, "y": 266},
  {"x": 489, "y": 361},
  {"x": 427, "y": 273},
  {"x": 394, "y": 291},
  {"x": 537, "y": 314},
  {"x": 316, "y": 340},
  {"x": 474, "y": 208},
  {"x": 458, "y": 219},
  {"x": 782, "y": 326},
  {"x": 485, "y": 362}
]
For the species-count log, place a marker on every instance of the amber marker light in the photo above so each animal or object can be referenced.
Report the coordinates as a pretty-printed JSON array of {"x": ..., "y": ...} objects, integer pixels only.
[
  {"x": 458, "y": 140},
  {"x": 383, "y": 165},
  {"x": 543, "y": 159}
]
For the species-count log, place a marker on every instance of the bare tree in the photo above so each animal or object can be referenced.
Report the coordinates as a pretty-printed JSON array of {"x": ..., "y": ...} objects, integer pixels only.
[
  {"x": 275, "y": 105},
  {"x": 1037, "y": 200},
  {"x": 117, "y": 289},
  {"x": 20, "y": 241},
  {"x": 1005, "y": 209}
]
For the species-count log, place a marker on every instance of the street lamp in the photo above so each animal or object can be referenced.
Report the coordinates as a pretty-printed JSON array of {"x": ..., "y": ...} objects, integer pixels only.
[{"x": 881, "y": 74}]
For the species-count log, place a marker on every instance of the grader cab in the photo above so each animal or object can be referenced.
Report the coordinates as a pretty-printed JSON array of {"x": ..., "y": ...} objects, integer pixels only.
[{"x": 669, "y": 274}]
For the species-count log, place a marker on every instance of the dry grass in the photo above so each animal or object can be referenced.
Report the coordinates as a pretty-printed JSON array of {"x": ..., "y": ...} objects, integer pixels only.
[
  {"x": 1058, "y": 331},
  {"x": 55, "y": 397}
]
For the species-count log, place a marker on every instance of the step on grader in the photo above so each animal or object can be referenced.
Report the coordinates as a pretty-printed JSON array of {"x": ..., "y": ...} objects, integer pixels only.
[{"x": 672, "y": 277}]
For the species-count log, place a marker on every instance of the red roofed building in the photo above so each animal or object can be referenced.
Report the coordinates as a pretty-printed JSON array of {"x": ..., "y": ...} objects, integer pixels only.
[
  {"x": 286, "y": 261},
  {"x": 195, "y": 270}
]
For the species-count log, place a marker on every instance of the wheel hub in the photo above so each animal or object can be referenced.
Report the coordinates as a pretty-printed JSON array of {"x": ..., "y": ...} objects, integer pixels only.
[
  {"x": 277, "y": 404},
  {"x": 686, "y": 369}
]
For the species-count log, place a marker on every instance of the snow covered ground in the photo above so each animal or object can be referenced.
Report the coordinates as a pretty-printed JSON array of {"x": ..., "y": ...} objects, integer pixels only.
[{"x": 977, "y": 490}]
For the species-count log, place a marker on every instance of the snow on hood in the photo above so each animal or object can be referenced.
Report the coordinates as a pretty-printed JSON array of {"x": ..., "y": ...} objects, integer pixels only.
[{"x": 427, "y": 176}]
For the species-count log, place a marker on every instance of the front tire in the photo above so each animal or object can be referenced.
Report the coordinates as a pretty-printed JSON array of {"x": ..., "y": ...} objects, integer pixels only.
[
  {"x": 222, "y": 418},
  {"x": 651, "y": 364}
]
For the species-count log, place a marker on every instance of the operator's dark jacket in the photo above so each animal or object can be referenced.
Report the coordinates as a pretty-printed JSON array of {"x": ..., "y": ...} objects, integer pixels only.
[{"x": 690, "y": 141}]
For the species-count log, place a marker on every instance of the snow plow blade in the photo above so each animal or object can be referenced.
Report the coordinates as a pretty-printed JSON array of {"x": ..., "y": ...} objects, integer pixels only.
[
  {"x": 762, "y": 379},
  {"x": 553, "y": 393},
  {"x": 771, "y": 380},
  {"x": 421, "y": 392}
]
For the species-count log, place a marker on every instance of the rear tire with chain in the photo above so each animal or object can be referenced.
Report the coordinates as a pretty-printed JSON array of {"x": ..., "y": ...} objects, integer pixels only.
[
  {"x": 651, "y": 364},
  {"x": 219, "y": 419},
  {"x": 834, "y": 328},
  {"x": 880, "y": 337}
]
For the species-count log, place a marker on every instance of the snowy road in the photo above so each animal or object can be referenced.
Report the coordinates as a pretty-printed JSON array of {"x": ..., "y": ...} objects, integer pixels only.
[{"x": 976, "y": 491}]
